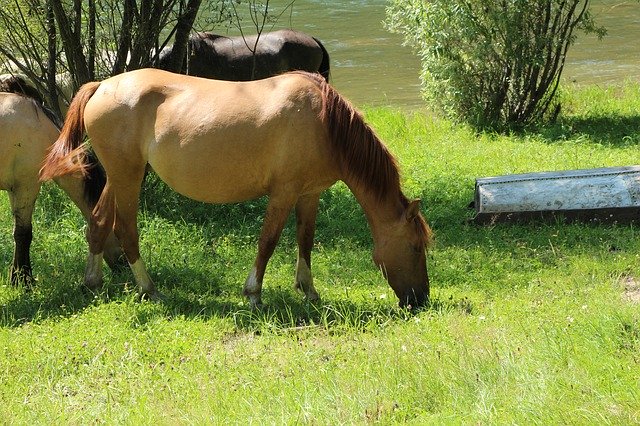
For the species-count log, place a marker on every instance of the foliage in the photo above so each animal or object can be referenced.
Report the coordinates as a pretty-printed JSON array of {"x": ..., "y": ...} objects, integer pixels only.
[
  {"x": 530, "y": 324},
  {"x": 492, "y": 64}
]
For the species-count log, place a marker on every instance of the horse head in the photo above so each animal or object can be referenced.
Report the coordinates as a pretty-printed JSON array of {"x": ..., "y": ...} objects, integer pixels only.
[{"x": 400, "y": 254}]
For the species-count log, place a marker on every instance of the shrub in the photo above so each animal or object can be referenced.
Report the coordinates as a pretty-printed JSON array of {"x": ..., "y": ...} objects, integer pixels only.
[{"x": 492, "y": 63}]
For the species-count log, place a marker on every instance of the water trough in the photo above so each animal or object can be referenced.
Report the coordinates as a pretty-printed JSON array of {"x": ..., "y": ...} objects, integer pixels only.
[{"x": 610, "y": 194}]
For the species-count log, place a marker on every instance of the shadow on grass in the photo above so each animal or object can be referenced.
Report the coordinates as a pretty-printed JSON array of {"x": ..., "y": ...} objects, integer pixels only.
[
  {"x": 285, "y": 310},
  {"x": 612, "y": 130}
]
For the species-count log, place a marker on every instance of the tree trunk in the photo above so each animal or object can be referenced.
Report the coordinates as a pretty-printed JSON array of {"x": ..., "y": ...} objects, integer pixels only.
[
  {"x": 72, "y": 45},
  {"x": 183, "y": 29}
]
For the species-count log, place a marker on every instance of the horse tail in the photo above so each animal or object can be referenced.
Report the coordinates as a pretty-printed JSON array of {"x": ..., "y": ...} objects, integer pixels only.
[
  {"x": 68, "y": 153},
  {"x": 325, "y": 65}
]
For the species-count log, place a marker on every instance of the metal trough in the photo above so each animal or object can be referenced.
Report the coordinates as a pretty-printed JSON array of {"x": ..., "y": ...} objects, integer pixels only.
[{"x": 609, "y": 194}]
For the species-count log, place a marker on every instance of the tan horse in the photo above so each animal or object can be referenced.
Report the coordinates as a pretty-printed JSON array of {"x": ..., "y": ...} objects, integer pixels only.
[
  {"x": 26, "y": 133},
  {"x": 289, "y": 137}
]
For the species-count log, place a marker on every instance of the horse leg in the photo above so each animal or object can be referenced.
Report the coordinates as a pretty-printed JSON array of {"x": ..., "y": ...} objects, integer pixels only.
[
  {"x": 127, "y": 196},
  {"x": 274, "y": 220},
  {"x": 22, "y": 202},
  {"x": 100, "y": 226},
  {"x": 306, "y": 212}
]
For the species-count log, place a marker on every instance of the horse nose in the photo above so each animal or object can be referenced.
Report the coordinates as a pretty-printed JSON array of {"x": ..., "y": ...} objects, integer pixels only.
[{"x": 415, "y": 299}]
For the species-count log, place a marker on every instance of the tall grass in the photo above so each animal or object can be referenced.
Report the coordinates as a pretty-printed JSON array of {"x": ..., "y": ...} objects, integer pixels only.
[{"x": 529, "y": 323}]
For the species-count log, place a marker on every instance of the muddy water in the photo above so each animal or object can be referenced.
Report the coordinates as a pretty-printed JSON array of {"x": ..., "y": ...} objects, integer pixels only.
[
  {"x": 616, "y": 57},
  {"x": 370, "y": 66}
]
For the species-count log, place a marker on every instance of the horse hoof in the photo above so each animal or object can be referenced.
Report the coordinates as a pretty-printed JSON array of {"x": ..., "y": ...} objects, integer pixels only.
[
  {"x": 255, "y": 302},
  {"x": 309, "y": 294},
  {"x": 314, "y": 297},
  {"x": 88, "y": 291},
  {"x": 93, "y": 283},
  {"x": 152, "y": 296}
]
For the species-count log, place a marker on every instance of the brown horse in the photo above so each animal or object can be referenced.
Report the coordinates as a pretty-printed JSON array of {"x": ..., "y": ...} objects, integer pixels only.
[
  {"x": 251, "y": 57},
  {"x": 289, "y": 137},
  {"x": 27, "y": 130}
]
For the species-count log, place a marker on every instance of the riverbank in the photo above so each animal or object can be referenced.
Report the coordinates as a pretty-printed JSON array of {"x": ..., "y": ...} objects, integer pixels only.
[{"x": 529, "y": 323}]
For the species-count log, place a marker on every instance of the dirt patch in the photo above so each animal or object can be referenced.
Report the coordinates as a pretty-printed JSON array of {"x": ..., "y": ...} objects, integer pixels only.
[{"x": 631, "y": 292}]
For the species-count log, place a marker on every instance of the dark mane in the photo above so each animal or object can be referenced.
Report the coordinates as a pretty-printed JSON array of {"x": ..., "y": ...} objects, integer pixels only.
[
  {"x": 95, "y": 179},
  {"x": 10, "y": 83},
  {"x": 16, "y": 84},
  {"x": 206, "y": 35},
  {"x": 364, "y": 159}
]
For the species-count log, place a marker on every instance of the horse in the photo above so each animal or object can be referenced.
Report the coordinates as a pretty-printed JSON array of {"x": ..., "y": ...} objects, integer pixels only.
[
  {"x": 28, "y": 130},
  {"x": 232, "y": 58},
  {"x": 289, "y": 137}
]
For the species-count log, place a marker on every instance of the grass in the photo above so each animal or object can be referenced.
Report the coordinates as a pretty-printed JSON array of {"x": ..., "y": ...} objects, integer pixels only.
[{"x": 530, "y": 323}]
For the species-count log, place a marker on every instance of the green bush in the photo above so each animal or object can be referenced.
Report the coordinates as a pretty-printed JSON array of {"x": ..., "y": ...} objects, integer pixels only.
[{"x": 492, "y": 63}]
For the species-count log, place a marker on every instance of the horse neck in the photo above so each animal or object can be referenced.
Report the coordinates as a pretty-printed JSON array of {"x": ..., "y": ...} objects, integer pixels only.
[
  {"x": 73, "y": 186},
  {"x": 380, "y": 212}
]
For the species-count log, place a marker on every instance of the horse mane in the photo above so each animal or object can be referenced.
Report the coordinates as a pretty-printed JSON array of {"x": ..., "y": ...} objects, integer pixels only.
[
  {"x": 11, "y": 83},
  {"x": 206, "y": 35},
  {"x": 95, "y": 179},
  {"x": 364, "y": 158},
  {"x": 204, "y": 38}
]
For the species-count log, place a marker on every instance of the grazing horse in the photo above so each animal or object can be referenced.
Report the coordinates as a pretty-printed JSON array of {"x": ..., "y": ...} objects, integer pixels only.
[
  {"x": 27, "y": 130},
  {"x": 232, "y": 58},
  {"x": 289, "y": 137}
]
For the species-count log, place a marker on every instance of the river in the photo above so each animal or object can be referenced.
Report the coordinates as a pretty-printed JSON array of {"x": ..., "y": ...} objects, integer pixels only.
[{"x": 370, "y": 66}]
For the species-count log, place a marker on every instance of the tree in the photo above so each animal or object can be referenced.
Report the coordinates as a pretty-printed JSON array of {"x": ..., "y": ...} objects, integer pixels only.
[
  {"x": 492, "y": 63},
  {"x": 60, "y": 45}
]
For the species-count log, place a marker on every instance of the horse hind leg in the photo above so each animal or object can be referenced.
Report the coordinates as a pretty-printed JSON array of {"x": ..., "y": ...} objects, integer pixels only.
[
  {"x": 275, "y": 218},
  {"x": 22, "y": 201},
  {"x": 127, "y": 195},
  {"x": 306, "y": 212}
]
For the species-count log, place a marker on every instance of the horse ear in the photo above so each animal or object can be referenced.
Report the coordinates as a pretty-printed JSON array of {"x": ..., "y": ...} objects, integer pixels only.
[{"x": 412, "y": 210}]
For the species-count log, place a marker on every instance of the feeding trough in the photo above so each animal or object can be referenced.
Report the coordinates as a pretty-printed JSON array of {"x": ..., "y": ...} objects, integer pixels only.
[{"x": 609, "y": 194}]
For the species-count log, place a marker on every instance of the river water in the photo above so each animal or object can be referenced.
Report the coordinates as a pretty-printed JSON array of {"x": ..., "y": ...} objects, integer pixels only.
[{"x": 370, "y": 66}]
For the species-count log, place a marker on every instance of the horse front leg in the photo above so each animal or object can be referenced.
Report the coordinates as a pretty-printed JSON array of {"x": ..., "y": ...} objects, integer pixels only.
[
  {"x": 306, "y": 212},
  {"x": 22, "y": 202},
  {"x": 275, "y": 218}
]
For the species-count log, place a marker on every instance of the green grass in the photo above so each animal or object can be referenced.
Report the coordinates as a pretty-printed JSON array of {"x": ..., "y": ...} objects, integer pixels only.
[{"x": 530, "y": 323}]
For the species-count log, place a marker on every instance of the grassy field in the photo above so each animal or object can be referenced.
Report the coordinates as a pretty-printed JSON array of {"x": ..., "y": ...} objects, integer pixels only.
[{"x": 531, "y": 323}]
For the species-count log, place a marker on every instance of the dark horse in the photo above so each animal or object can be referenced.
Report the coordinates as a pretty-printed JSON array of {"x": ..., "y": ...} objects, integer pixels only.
[{"x": 232, "y": 58}]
